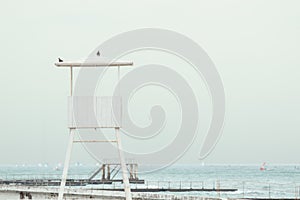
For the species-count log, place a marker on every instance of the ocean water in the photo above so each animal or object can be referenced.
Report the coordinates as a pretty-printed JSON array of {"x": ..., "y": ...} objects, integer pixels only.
[{"x": 277, "y": 181}]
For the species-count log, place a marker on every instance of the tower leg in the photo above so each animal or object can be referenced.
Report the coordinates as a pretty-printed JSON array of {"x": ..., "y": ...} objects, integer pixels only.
[
  {"x": 123, "y": 165},
  {"x": 66, "y": 165}
]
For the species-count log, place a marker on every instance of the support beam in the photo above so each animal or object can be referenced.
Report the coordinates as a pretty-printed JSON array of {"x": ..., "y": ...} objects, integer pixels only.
[
  {"x": 131, "y": 171},
  {"x": 95, "y": 173},
  {"x": 135, "y": 171},
  {"x": 123, "y": 166},
  {"x": 66, "y": 165},
  {"x": 108, "y": 172},
  {"x": 71, "y": 81},
  {"x": 103, "y": 172}
]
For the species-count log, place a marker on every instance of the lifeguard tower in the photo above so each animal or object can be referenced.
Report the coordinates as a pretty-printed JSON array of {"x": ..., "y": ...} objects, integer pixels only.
[{"x": 93, "y": 112}]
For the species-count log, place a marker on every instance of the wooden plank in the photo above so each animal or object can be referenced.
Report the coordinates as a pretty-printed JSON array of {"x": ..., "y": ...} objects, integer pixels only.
[{"x": 93, "y": 64}]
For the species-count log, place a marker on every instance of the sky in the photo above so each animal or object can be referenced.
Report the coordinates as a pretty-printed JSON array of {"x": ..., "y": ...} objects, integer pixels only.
[{"x": 255, "y": 46}]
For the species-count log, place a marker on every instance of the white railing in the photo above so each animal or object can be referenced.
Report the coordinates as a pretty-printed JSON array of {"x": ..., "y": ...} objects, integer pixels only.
[
  {"x": 99, "y": 193},
  {"x": 246, "y": 189}
]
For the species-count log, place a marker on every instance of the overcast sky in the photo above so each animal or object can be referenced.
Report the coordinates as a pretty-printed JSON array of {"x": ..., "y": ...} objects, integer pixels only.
[{"x": 255, "y": 46}]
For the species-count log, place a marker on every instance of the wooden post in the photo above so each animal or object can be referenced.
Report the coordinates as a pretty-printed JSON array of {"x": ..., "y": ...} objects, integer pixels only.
[
  {"x": 180, "y": 185},
  {"x": 71, "y": 81},
  {"x": 66, "y": 165},
  {"x": 131, "y": 171},
  {"x": 135, "y": 171},
  {"x": 243, "y": 189},
  {"x": 103, "y": 172},
  {"x": 123, "y": 166},
  {"x": 119, "y": 76},
  {"x": 269, "y": 191},
  {"x": 108, "y": 172}
]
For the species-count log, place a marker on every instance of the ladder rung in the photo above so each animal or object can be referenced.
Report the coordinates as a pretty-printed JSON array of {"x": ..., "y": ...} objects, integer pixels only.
[{"x": 78, "y": 141}]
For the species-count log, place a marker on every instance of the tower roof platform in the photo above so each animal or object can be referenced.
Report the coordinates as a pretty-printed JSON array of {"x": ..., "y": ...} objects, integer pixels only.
[{"x": 93, "y": 62}]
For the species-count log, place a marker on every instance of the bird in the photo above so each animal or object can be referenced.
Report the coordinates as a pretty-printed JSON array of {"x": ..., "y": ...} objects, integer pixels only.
[
  {"x": 60, "y": 60},
  {"x": 98, "y": 53}
]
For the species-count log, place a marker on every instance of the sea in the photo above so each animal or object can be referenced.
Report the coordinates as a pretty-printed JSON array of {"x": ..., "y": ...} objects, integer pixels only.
[{"x": 275, "y": 181}]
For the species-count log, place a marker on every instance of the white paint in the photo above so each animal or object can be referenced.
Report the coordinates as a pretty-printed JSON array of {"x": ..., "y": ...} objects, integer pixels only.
[
  {"x": 92, "y": 63},
  {"x": 94, "y": 112},
  {"x": 66, "y": 165},
  {"x": 123, "y": 166}
]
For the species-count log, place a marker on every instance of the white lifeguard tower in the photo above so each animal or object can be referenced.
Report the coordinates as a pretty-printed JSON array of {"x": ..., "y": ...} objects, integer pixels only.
[{"x": 92, "y": 112}]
